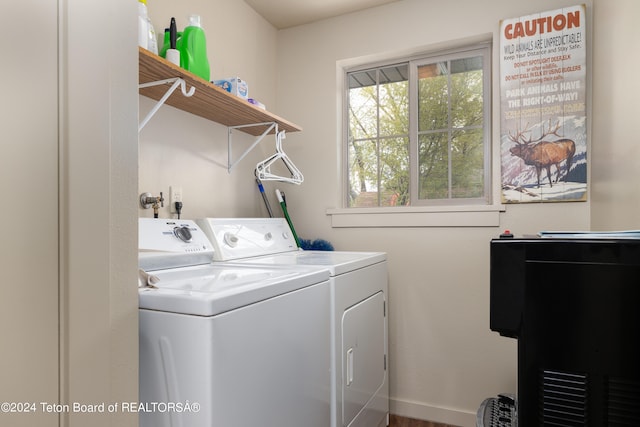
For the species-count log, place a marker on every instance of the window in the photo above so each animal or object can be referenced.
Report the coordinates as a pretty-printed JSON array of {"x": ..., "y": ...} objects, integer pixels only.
[{"x": 418, "y": 131}]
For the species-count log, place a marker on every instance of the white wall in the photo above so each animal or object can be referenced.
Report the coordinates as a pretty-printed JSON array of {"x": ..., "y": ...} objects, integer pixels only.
[
  {"x": 29, "y": 310},
  {"x": 444, "y": 360},
  {"x": 68, "y": 171},
  {"x": 98, "y": 159},
  {"x": 180, "y": 149},
  {"x": 616, "y": 102}
]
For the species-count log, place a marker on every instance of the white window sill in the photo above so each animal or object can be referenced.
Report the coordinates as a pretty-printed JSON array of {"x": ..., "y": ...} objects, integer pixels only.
[{"x": 458, "y": 216}]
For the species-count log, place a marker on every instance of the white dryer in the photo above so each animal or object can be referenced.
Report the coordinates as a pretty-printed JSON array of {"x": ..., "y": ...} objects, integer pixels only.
[
  {"x": 224, "y": 345},
  {"x": 359, "y": 289}
]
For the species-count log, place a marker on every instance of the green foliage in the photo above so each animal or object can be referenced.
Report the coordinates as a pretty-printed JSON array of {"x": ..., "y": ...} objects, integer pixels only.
[
  {"x": 379, "y": 142},
  {"x": 450, "y": 148}
]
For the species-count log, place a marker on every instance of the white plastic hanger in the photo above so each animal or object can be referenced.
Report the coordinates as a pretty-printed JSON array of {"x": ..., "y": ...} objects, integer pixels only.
[{"x": 263, "y": 169}]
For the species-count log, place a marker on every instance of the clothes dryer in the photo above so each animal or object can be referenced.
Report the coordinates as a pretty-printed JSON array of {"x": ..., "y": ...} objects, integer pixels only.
[
  {"x": 358, "y": 311},
  {"x": 228, "y": 345}
]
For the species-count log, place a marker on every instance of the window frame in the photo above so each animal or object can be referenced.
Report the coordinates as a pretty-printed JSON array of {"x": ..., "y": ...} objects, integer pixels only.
[
  {"x": 482, "y": 49},
  {"x": 378, "y": 138},
  {"x": 477, "y": 50}
]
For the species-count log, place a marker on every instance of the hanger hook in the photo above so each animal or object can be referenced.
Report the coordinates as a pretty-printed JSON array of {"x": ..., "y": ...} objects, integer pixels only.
[{"x": 183, "y": 88}]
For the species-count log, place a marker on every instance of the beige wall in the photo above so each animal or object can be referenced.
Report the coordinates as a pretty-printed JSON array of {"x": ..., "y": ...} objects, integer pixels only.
[
  {"x": 29, "y": 310},
  {"x": 98, "y": 226},
  {"x": 443, "y": 358},
  {"x": 69, "y": 172},
  {"x": 615, "y": 155},
  {"x": 179, "y": 149}
]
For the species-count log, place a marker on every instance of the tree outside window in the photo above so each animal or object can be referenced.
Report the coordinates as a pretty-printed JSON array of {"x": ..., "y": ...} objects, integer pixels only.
[{"x": 417, "y": 132}]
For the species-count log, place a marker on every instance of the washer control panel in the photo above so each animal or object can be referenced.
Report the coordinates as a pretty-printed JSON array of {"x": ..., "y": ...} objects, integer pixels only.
[
  {"x": 165, "y": 243},
  {"x": 236, "y": 238}
]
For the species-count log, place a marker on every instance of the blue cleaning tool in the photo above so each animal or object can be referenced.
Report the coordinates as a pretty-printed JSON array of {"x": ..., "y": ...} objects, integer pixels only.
[
  {"x": 305, "y": 244},
  {"x": 264, "y": 197},
  {"x": 315, "y": 245}
]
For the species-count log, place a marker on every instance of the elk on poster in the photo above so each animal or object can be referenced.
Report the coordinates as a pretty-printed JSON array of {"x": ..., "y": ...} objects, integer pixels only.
[{"x": 543, "y": 117}]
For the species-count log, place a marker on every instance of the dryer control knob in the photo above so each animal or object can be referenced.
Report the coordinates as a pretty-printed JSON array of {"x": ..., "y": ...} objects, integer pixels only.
[
  {"x": 268, "y": 236},
  {"x": 285, "y": 235},
  {"x": 231, "y": 239},
  {"x": 183, "y": 233}
]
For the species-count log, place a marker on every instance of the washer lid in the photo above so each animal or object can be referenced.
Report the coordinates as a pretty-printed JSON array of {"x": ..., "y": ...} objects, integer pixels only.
[
  {"x": 338, "y": 262},
  {"x": 207, "y": 290}
]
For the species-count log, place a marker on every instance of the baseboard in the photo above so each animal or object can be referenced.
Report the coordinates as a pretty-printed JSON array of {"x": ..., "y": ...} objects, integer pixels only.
[{"x": 421, "y": 411}]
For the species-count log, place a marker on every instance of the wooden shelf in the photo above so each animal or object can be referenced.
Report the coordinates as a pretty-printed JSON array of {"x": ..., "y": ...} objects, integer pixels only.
[{"x": 208, "y": 101}]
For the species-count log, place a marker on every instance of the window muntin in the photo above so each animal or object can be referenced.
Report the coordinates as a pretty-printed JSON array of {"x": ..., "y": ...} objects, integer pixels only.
[
  {"x": 418, "y": 132},
  {"x": 378, "y": 117}
]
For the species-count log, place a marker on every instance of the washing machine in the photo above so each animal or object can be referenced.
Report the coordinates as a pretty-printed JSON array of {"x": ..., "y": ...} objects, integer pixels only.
[
  {"x": 358, "y": 309},
  {"x": 228, "y": 345}
]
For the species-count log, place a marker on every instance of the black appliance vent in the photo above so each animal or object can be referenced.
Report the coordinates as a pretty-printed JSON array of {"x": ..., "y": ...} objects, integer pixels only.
[
  {"x": 563, "y": 399},
  {"x": 623, "y": 405}
]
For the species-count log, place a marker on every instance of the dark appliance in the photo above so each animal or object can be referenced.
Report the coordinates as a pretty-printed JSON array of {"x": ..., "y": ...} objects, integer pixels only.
[{"x": 574, "y": 307}]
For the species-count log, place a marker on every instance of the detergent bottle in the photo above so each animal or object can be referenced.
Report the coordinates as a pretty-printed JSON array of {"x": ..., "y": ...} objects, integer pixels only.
[
  {"x": 165, "y": 43},
  {"x": 192, "y": 45},
  {"x": 146, "y": 32}
]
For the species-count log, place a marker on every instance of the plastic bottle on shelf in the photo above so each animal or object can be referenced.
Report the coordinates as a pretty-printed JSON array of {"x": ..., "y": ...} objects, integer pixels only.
[
  {"x": 143, "y": 25},
  {"x": 193, "y": 49},
  {"x": 146, "y": 33}
]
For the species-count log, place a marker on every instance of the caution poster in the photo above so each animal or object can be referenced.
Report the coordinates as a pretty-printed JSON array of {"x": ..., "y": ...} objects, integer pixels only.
[{"x": 543, "y": 135}]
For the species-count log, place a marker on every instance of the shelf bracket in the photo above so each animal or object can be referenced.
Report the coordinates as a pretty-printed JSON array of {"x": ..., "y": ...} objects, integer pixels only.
[
  {"x": 231, "y": 163},
  {"x": 177, "y": 81}
]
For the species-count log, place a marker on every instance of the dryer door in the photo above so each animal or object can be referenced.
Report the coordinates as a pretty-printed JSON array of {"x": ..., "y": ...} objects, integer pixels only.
[{"x": 363, "y": 354}]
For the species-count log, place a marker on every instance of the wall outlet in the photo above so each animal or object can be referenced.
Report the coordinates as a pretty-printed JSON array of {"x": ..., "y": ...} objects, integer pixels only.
[{"x": 175, "y": 196}]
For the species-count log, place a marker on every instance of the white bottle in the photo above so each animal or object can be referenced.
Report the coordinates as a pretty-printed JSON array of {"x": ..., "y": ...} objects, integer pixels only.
[
  {"x": 143, "y": 25},
  {"x": 146, "y": 33}
]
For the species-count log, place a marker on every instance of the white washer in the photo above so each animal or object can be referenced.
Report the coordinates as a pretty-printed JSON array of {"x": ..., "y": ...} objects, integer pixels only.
[
  {"x": 229, "y": 345},
  {"x": 359, "y": 285}
]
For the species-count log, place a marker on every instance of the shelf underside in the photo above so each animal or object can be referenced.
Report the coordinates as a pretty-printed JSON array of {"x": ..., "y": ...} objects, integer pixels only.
[{"x": 208, "y": 101}]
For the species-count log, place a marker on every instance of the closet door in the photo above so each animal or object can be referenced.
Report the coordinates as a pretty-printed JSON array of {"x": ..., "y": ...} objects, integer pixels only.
[{"x": 29, "y": 206}]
